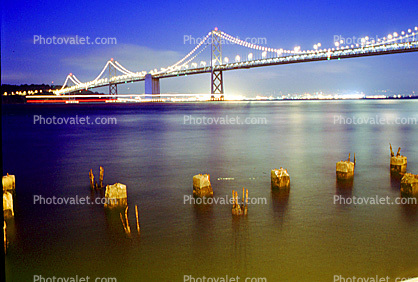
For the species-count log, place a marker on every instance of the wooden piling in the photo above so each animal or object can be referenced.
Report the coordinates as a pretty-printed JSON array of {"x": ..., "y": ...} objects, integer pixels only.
[
  {"x": 138, "y": 228},
  {"x": 240, "y": 208},
  {"x": 345, "y": 169},
  {"x": 101, "y": 175},
  {"x": 91, "y": 176},
  {"x": 5, "y": 237},
  {"x": 123, "y": 223},
  {"x": 127, "y": 221},
  {"x": 398, "y": 163},
  {"x": 280, "y": 179}
]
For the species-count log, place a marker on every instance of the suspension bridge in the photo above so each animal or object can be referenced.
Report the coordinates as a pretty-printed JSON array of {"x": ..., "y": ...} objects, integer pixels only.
[{"x": 259, "y": 56}]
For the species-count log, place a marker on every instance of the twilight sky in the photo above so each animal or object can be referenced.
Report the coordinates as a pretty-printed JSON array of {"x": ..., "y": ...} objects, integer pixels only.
[{"x": 150, "y": 34}]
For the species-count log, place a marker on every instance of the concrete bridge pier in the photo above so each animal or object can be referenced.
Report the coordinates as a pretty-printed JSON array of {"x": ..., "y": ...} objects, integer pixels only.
[{"x": 152, "y": 86}]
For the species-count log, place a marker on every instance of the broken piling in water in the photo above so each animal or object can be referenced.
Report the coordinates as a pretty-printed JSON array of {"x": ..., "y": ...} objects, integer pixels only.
[
  {"x": 409, "y": 185},
  {"x": 345, "y": 169},
  {"x": 237, "y": 208},
  {"x": 398, "y": 163},
  {"x": 280, "y": 179},
  {"x": 202, "y": 186},
  {"x": 116, "y": 195}
]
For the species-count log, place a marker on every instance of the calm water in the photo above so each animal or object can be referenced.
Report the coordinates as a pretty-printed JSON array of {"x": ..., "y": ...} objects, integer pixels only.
[{"x": 303, "y": 236}]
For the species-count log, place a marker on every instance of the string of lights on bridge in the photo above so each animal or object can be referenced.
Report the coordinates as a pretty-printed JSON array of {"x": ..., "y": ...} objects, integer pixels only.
[{"x": 188, "y": 60}]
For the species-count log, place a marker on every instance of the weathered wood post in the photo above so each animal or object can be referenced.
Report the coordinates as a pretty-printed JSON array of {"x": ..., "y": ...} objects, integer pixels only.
[
  {"x": 116, "y": 195},
  {"x": 5, "y": 237},
  {"x": 237, "y": 208},
  {"x": 280, "y": 179},
  {"x": 202, "y": 186},
  {"x": 8, "y": 205},
  {"x": 409, "y": 185},
  {"x": 9, "y": 182},
  {"x": 101, "y": 177},
  {"x": 138, "y": 228},
  {"x": 91, "y": 176},
  {"x": 398, "y": 163},
  {"x": 345, "y": 169}
]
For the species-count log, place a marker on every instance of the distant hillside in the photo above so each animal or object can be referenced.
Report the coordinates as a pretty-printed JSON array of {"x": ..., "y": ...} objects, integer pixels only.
[{"x": 12, "y": 94}]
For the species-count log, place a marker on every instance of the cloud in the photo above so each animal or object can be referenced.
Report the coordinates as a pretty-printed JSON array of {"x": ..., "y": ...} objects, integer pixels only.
[{"x": 132, "y": 57}]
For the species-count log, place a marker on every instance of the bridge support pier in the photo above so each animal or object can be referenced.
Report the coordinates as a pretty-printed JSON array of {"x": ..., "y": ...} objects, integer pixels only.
[
  {"x": 113, "y": 88},
  {"x": 217, "y": 85},
  {"x": 152, "y": 86},
  {"x": 216, "y": 59}
]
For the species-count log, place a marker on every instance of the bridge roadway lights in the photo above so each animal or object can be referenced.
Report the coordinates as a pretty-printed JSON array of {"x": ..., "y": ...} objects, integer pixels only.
[{"x": 152, "y": 85}]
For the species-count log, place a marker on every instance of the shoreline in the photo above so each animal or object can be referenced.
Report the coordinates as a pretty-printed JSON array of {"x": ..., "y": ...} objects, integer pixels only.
[{"x": 120, "y": 100}]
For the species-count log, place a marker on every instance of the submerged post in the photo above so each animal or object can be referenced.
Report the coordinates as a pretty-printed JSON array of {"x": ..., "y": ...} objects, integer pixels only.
[
  {"x": 409, "y": 185},
  {"x": 8, "y": 205},
  {"x": 5, "y": 237},
  {"x": 91, "y": 176},
  {"x": 237, "y": 208},
  {"x": 280, "y": 179},
  {"x": 345, "y": 169},
  {"x": 202, "y": 186},
  {"x": 138, "y": 228},
  {"x": 398, "y": 163},
  {"x": 101, "y": 176},
  {"x": 116, "y": 195},
  {"x": 9, "y": 182}
]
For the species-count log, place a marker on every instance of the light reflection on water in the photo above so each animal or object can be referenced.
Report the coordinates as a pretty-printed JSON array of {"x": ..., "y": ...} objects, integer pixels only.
[{"x": 300, "y": 236}]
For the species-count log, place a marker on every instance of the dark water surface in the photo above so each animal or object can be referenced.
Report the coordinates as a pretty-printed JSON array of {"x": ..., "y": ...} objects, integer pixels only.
[{"x": 303, "y": 236}]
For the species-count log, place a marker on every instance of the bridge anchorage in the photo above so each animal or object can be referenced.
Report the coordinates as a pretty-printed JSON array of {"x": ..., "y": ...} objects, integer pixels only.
[{"x": 258, "y": 56}]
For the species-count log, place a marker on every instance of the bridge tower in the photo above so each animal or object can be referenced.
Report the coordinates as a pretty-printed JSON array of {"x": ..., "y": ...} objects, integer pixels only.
[
  {"x": 113, "y": 87},
  {"x": 152, "y": 86},
  {"x": 217, "y": 86}
]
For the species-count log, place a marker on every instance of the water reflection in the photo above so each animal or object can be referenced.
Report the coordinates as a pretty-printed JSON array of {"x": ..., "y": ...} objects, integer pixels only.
[
  {"x": 395, "y": 183},
  {"x": 410, "y": 213},
  {"x": 344, "y": 191},
  {"x": 203, "y": 224},
  {"x": 10, "y": 231},
  {"x": 241, "y": 240},
  {"x": 280, "y": 200},
  {"x": 114, "y": 226}
]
